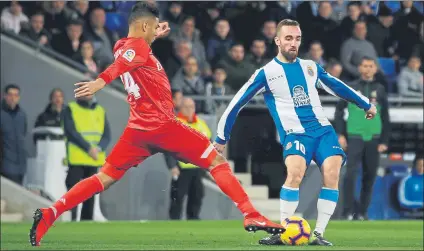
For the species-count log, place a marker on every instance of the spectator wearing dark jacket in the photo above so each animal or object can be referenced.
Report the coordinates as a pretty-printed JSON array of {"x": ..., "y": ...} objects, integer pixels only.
[
  {"x": 347, "y": 24},
  {"x": 58, "y": 16},
  {"x": 325, "y": 30},
  {"x": 268, "y": 33},
  {"x": 380, "y": 33},
  {"x": 51, "y": 116},
  {"x": 220, "y": 42},
  {"x": 238, "y": 69},
  {"x": 181, "y": 53},
  {"x": 69, "y": 43},
  {"x": 102, "y": 38},
  {"x": 175, "y": 16},
  {"x": 13, "y": 132},
  {"x": 36, "y": 31},
  {"x": 257, "y": 53}
]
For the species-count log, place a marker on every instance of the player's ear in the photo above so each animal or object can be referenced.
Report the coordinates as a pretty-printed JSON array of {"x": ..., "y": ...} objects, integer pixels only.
[
  {"x": 277, "y": 41},
  {"x": 144, "y": 26}
]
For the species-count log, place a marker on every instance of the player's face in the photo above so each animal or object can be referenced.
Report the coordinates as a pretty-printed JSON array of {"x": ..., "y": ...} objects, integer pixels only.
[
  {"x": 288, "y": 41},
  {"x": 151, "y": 28}
]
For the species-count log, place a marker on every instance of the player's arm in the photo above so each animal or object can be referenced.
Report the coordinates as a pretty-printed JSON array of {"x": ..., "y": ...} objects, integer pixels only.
[
  {"x": 134, "y": 55},
  {"x": 255, "y": 85},
  {"x": 339, "y": 89}
]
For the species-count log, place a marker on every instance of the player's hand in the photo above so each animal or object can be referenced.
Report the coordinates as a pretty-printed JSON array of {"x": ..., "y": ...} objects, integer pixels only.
[
  {"x": 343, "y": 142},
  {"x": 163, "y": 30},
  {"x": 87, "y": 89},
  {"x": 175, "y": 171},
  {"x": 382, "y": 148},
  {"x": 220, "y": 148},
  {"x": 371, "y": 112},
  {"x": 94, "y": 152}
]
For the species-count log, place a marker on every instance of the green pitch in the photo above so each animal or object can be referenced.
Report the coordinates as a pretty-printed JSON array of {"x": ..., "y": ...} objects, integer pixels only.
[{"x": 201, "y": 235}]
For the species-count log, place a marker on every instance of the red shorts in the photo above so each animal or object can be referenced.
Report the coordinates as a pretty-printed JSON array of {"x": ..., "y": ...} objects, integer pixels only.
[{"x": 175, "y": 138}]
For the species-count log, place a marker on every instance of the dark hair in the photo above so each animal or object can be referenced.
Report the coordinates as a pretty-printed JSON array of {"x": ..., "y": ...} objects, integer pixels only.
[
  {"x": 11, "y": 86},
  {"x": 175, "y": 90},
  {"x": 258, "y": 39},
  {"x": 38, "y": 13},
  {"x": 142, "y": 9},
  {"x": 367, "y": 58},
  {"x": 315, "y": 42},
  {"x": 237, "y": 44},
  {"x": 331, "y": 63},
  {"x": 76, "y": 22}
]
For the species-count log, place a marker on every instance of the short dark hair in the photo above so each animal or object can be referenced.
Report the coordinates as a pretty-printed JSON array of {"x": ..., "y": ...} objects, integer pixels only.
[
  {"x": 11, "y": 86},
  {"x": 367, "y": 58},
  {"x": 142, "y": 9},
  {"x": 76, "y": 22},
  {"x": 286, "y": 22},
  {"x": 237, "y": 44},
  {"x": 175, "y": 90},
  {"x": 332, "y": 62},
  {"x": 315, "y": 42},
  {"x": 53, "y": 91}
]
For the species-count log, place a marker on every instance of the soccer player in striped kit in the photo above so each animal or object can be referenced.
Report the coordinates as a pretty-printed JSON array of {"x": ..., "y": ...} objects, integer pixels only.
[{"x": 289, "y": 86}]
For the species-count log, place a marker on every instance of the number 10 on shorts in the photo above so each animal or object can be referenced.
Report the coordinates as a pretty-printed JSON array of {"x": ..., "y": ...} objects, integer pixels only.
[{"x": 299, "y": 146}]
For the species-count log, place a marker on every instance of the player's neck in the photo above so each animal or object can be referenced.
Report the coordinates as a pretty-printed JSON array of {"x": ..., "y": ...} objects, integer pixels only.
[
  {"x": 134, "y": 34},
  {"x": 284, "y": 59}
]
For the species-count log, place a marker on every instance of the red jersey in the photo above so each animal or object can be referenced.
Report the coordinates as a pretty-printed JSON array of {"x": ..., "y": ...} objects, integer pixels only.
[{"x": 145, "y": 80}]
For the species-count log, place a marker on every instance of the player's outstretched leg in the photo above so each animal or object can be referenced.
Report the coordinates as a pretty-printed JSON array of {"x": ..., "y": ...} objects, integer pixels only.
[
  {"x": 82, "y": 191},
  {"x": 289, "y": 194},
  {"x": 228, "y": 183},
  {"x": 328, "y": 198}
]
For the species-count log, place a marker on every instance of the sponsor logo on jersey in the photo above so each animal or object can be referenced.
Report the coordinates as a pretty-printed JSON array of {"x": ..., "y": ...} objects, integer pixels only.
[
  {"x": 129, "y": 55},
  {"x": 275, "y": 78},
  {"x": 310, "y": 71},
  {"x": 300, "y": 98},
  {"x": 288, "y": 146}
]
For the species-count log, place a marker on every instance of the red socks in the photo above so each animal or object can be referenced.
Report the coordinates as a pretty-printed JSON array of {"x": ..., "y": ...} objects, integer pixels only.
[
  {"x": 79, "y": 193},
  {"x": 229, "y": 184}
]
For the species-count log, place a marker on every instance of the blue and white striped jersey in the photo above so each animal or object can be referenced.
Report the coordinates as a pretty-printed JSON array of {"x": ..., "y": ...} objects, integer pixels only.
[{"x": 290, "y": 93}]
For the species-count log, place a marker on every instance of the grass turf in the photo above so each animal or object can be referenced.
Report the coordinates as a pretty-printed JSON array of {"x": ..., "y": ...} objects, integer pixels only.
[{"x": 202, "y": 235}]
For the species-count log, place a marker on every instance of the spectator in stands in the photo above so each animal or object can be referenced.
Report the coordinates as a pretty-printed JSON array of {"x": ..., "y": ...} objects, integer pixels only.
[
  {"x": 207, "y": 18},
  {"x": 13, "y": 130},
  {"x": 406, "y": 30},
  {"x": 189, "y": 178},
  {"x": 181, "y": 53},
  {"x": 175, "y": 16},
  {"x": 379, "y": 34},
  {"x": 58, "y": 16},
  {"x": 237, "y": 68},
  {"x": 410, "y": 80},
  {"x": 348, "y": 23},
  {"x": 366, "y": 139},
  {"x": 177, "y": 99},
  {"x": 81, "y": 8},
  {"x": 189, "y": 80},
  {"x": 334, "y": 68},
  {"x": 188, "y": 32},
  {"x": 51, "y": 116},
  {"x": 102, "y": 38},
  {"x": 315, "y": 53},
  {"x": 339, "y": 10},
  {"x": 280, "y": 10},
  {"x": 86, "y": 57},
  {"x": 12, "y": 18},
  {"x": 69, "y": 43},
  {"x": 268, "y": 33},
  {"x": 411, "y": 187},
  {"x": 220, "y": 42},
  {"x": 88, "y": 134},
  {"x": 217, "y": 87},
  {"x": 256, "y": 55},
  {"x": 355, "y": 48},
  {"x": 419, "y": 48},
  {"x": 325, "y": 30},
  {"x": 36, "y": 32}
]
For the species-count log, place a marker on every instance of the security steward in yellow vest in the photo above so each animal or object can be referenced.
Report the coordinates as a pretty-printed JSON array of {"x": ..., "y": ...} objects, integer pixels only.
[
  {"x": 187, "y": 178},
  {"x": 87, "y": 135}
]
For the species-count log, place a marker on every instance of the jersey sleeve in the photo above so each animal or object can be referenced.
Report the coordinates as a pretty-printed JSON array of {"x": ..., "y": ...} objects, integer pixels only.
[
  {"x": 337, "y": 88},
  {"x": 131, "y": 56},
  {"x": 254, "y": 86}
]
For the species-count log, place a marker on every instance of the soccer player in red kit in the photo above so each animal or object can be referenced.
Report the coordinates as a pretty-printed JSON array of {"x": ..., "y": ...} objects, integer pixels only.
[{"x": 151, "y": 128}]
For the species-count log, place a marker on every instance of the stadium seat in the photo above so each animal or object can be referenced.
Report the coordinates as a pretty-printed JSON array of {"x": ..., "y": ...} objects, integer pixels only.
[
  {"x": 116, "y": 22},
  {"x": 391, "y": 180},
  {"x": 388, "y": 66},
  {"x": 393, "y": 5}
]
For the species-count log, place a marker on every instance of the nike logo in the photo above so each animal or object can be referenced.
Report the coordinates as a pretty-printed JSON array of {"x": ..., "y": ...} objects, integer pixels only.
[{"x": 260, "y": 223}]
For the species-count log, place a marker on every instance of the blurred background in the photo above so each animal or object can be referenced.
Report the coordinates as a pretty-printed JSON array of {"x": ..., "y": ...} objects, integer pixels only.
[{"x": 212, "y": 50}]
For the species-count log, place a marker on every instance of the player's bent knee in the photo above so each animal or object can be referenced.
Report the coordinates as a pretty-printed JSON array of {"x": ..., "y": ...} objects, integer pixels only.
[
  {"x": 331, "y": 171},
  {"x": 293, "y": 180},
  {"x": 218, "y": 160}
]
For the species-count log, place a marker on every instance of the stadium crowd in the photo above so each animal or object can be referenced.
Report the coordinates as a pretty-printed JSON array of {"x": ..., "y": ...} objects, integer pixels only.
[{"x": 214, "y": 47}]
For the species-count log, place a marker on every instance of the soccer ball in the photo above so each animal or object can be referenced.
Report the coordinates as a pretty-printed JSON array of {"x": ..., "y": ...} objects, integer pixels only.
[{"x": 297, "y": 231}]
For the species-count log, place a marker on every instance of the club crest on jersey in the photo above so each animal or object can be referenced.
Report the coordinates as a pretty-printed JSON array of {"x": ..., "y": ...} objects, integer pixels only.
[
  {"x": 129, "y": 55},
  {"x": 300, "y": 98},
  {"x": 310, "y": 71}
]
